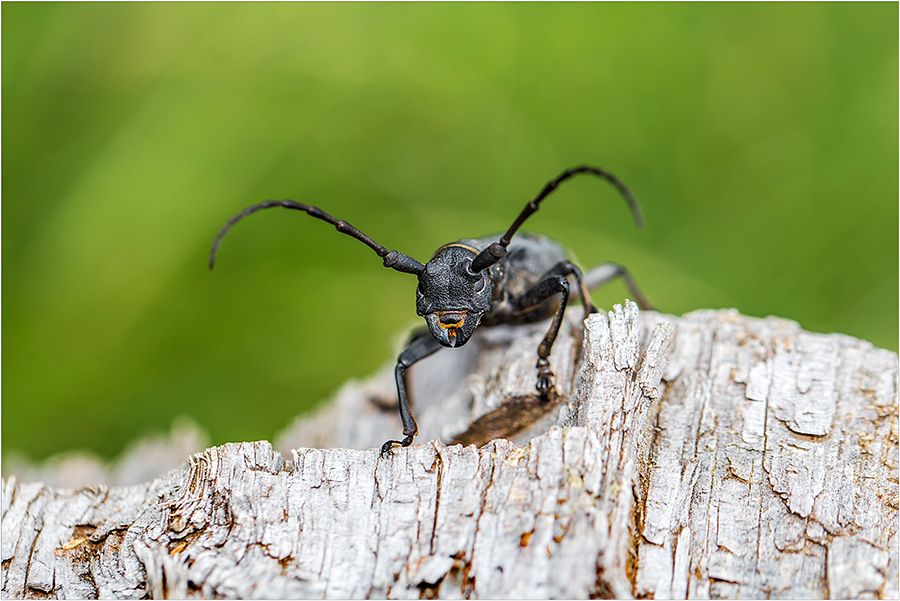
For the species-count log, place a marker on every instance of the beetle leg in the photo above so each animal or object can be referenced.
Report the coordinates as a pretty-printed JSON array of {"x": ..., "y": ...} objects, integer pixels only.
[
  {"x": 568, "y": 268},
  {"x": 420, "y": 347},
  {"x": 605, "y": 273},
  {"x": 555, "y": 283}
]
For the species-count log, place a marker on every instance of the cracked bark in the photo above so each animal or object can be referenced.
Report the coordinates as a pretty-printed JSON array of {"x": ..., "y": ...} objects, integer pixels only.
[{"x": 712, "y": 455}]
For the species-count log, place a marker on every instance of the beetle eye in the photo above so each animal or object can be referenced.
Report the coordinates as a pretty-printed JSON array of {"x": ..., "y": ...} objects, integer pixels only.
[{"x": 479, "y": 285}]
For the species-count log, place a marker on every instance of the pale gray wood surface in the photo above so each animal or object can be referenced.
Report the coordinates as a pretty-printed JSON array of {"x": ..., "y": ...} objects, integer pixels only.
[{"x": 712, "y": 455}]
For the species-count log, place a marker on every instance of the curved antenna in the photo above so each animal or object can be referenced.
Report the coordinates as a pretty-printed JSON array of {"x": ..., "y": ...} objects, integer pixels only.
[
  {"x": 497, "y": 250},
  {"x": 393, "y": 259}
]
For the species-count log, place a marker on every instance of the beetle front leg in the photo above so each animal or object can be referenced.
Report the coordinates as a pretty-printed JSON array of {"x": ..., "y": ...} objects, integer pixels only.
[
  {"x": 540, "y": 292},
  {"x": 567, "y": 268},
  {"x": 421, "y": 347}
]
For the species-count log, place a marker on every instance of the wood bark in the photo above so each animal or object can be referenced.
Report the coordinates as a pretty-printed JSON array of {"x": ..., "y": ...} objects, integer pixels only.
[{"x": 707, "y": 456}]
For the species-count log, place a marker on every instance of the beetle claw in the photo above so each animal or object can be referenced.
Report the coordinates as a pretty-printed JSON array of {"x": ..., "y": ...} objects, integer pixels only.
[
  {"x": 386, "y": 447},
  {"x": 544, "y": 378},
  {"x": 544, "y": 385}
]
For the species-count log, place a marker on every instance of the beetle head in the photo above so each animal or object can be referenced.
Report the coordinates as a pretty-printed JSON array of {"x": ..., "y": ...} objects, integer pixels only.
[{"x": 451, "y": 297}]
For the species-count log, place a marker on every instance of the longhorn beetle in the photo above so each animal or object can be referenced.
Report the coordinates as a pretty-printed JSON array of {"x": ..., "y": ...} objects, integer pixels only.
[{"x": 472, "y": 282}]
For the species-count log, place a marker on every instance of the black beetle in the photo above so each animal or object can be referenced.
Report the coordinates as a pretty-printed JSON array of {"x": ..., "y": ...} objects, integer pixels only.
[{"x": 481, "y": 281}]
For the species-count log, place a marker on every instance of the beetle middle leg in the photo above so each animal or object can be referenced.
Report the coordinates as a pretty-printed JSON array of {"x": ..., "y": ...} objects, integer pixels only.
[
  {"x": 607, "y": 272},
  {"x": 421, "y": 346}
]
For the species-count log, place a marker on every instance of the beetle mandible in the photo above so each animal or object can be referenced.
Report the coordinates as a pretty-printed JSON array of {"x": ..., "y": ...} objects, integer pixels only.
[{"x": 481, "y": 281}]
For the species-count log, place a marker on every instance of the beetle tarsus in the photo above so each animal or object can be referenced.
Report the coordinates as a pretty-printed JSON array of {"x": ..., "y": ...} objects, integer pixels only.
[
  {"x": 386, "y": 447},
  {"x": 544, "y": 378}
]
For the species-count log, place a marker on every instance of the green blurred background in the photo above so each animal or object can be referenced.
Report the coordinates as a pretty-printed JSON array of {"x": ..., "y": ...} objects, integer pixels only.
[{"x": 761, "y": 139}]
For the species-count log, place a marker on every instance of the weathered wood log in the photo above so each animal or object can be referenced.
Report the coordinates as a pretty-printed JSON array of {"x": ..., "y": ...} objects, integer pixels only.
[{"x": 712, "y": 455}]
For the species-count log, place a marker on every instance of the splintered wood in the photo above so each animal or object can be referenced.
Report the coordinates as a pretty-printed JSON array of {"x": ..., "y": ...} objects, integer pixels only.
[
  {"x": 775, "y": 466},
  {"x": 707, "y": 456}
]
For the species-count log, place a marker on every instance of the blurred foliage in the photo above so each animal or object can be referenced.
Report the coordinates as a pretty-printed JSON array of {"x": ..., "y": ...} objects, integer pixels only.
[{"x": 761, "y": 140}]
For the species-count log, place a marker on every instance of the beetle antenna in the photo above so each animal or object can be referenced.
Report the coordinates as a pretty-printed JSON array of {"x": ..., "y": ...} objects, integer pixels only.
[
  {"x": 393, "y": 259},
  {"x": 497, "y": 250}
]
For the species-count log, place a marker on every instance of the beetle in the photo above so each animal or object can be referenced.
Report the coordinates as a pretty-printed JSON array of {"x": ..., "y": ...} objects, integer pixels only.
[{"x": 476, "y": 282}]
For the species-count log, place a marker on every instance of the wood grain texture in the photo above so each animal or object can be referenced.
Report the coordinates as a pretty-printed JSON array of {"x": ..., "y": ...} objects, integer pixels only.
[{"x": 707, "y": 456}]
